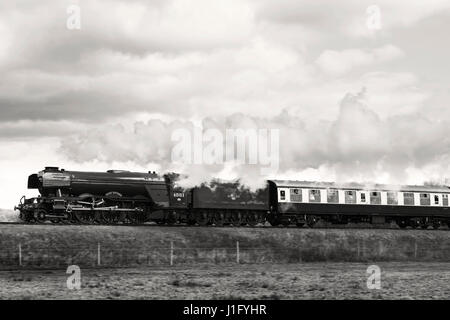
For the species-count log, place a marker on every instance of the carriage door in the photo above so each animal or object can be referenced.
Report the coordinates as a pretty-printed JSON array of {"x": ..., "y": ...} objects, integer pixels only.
[
  {"x": 445, "y": 200},
  {"x": 283, "y": 195}
]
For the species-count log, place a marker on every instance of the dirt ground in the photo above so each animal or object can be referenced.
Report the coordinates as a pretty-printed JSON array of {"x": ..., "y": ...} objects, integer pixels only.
[{"x": 283, "y": 281}]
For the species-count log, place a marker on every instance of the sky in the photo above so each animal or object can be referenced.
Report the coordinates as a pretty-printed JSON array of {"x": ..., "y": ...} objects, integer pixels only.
[{"x": 358, "y": 90}]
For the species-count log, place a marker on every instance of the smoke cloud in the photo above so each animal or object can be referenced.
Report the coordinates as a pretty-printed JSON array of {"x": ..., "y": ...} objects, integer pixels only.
[{"x": 358, "y": 146}]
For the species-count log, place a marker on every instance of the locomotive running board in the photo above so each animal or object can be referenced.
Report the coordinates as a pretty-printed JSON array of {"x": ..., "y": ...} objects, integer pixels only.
[{"x": 102, "y": 209}]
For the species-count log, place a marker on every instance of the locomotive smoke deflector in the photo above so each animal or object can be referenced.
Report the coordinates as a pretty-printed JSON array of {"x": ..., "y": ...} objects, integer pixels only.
[{"x": 33, "y": 181}]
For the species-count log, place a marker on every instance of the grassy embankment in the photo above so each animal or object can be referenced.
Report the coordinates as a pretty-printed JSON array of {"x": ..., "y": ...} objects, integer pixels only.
[{"x": 58, "y": 246}]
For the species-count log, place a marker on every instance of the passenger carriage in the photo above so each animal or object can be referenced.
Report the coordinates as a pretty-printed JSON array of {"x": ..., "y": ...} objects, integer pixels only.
[{"x": 304, "y": 202}]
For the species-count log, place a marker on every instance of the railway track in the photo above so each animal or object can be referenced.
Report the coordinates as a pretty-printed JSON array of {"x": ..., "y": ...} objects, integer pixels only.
[{"x": 322, "y": 227}]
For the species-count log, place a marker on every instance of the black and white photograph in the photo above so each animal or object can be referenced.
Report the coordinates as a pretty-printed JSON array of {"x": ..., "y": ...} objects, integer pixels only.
[{"x": 224, "y": 154}]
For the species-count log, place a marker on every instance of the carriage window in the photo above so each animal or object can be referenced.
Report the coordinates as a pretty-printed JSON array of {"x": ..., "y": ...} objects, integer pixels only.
[
  {"x": 436, "y": 199},
  {"x": 363, "y": 197},
  {"x": 282, "y": 195},
  {"x": 375, "y": 197},
  {"x": 445, "y": 200},
  {"x": 408, "y": 198},
  {"x": 296, "y": 195},
  {"x": 314, "y": 195},
  {"x": 332, "y": 196},
  {"x": 425, "y": 199},
  {"x": 392, "y": 198},
  {"x": 350, "y": 197}
]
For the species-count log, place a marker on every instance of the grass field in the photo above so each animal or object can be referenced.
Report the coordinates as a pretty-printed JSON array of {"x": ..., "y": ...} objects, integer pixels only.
[
  {"x": 277, "y": 281},
  {"x": 47, "y": 246},
  {"x": 274, "y": 263}
]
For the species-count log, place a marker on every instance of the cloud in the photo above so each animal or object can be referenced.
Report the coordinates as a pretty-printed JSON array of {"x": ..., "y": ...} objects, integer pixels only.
[
  {"x": 349, "y": 18},
  {"x": 340, "y": 62}
]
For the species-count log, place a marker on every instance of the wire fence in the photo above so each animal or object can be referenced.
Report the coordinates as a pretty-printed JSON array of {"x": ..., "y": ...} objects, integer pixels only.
[{"x": 173, "y": 254}]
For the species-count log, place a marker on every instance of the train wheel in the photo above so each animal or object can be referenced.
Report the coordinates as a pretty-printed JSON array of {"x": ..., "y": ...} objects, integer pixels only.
[
  {"x": 136, "y": 217},
  {"x": 236, "y": 219},
  {"x": 202, "y": 219},
  {"x": 286, "y": 223},
  {"x": 402, "y": 224},
  {"x": 171, "y": 218},
  {"x": 274, "y": 221},
  {"x": 84, "y": 217},
  {"x": 109, "y": 217},
  {"x": 252, "y": 219},
  {"x": 436, "y": 225},
  {"x": 219, "y": 219},
  {"x": 190, "y": 220},
  {"x": 41, "y": 215},
  {"x": 300, "y": 224},
  {"x": 311, "y": 221}
]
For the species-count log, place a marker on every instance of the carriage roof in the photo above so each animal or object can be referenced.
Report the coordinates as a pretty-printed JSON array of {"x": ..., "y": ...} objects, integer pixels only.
[{"x": 360, "y": 186}]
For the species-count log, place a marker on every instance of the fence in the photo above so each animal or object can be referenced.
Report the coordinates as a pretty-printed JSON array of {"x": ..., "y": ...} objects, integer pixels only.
[{"x": 172, "y": 254}]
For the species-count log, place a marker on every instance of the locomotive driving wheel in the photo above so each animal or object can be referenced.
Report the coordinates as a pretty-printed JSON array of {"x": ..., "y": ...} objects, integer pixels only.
[
  {"x": 112, "y": 217},
  {"x": 84, "y": 217}
]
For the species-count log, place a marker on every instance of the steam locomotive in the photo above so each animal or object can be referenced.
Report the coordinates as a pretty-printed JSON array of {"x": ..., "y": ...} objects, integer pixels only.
[{"x": 123, "y": 197}]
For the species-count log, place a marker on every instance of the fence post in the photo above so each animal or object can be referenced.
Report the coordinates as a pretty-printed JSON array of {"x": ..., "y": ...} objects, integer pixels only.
[
  {"x": 98, "y": 254},
  {"x": 237, "y": 251},
  {"x": 20, "y": 254},
  {"x": 171, "y": 253},
  {"x": 358, "y": 247},
  {"x": 363, "y": 248}
]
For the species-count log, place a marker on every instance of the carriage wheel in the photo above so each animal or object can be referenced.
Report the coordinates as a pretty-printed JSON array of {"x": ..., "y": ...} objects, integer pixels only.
[
  {"x": 311, "y": 221},
  {"x": 402, "y": 224}
]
